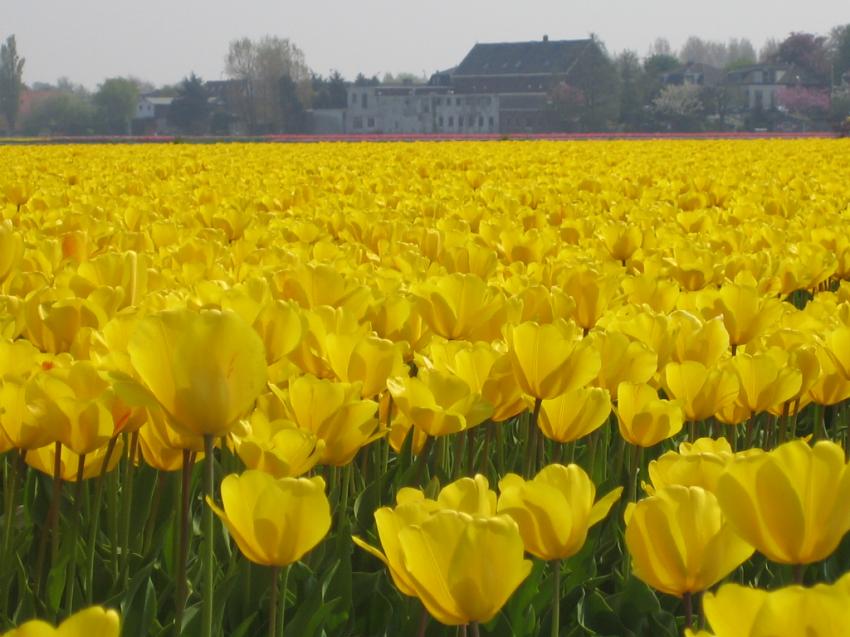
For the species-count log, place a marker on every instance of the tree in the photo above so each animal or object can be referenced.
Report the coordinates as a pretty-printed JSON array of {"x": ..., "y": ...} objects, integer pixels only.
[
  {"x": 768, "y": 50},
  {"x": 261, "y": 65},
  {"x": 679, "y": 106},
  {"x": 190, "y": 110},
  {"x": 331, "y": 92},
  {"x": 362, "y": 80},
  {"x": 115, "y": 100},
  {"x": 807, "y": 52},
  {"x": 740, "y": 53},
  {"x": 632, "y": 85},
  {"x": 839, "y": 51},
  {"x": 11, "y": 72},
  {"x": 594, "y": 75},
  {"x": 292, "y": 110},
  {"x": 67, "y": 113},
  {"x": 704, "y": 52},
  {"x": 661, "y": 46}
]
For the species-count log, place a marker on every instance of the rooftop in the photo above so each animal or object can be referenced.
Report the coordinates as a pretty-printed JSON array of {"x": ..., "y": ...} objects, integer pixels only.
[{"x": 511, "y": 58}]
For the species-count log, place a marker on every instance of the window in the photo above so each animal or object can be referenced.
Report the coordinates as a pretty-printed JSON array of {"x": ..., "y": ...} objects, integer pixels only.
[
  {"x": 451, "y": 121},
  {"x": 370, "y": 122},
  {"x": 440, "y": 121},
  {"x": 357, "y": 123},
  {"x": 488, "y": 100},
  {"x": 353, "y": 99},
  {"x": 437, "y": 101},
  {"x": 364, "y": 100},
  {"x": 457, "y": 101},
  {"x": 460, "y": 121},
  {"x": 480, "y": 121},
  {"x": 491, "y": 122},
  {"x": 759, "y": 98}
]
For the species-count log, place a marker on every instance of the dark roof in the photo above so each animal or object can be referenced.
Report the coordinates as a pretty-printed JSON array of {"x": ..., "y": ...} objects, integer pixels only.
[{"x": 517, "y": 58}]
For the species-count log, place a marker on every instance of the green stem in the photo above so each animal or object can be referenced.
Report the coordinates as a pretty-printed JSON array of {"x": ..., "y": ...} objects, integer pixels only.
[
  {"x": 207, "y": 554},
  {"x": 689, "y": 611},
  {"x": 15, "y": 472},
  {"x": 273, "y": 602},
  {"x": 556, "y": 598},
  {"x": 127, "y": 508},
  {"x": 183, "y": 547},
  {"x": 75, "y": 534},
  {"x": 49, "y": 531},
  {"x": 531, "y": 441},
  {"x": 95, "y": 521},
  {"x": 282, "y": 621}
]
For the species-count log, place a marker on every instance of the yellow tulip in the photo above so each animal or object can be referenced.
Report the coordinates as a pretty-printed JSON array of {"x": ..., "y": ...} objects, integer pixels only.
[
  {"x": 438, "y": 403},
  {"x": 205, "y": 369},
  {"x": 461, "y": 306},
  {"x": 593, "y": 293},
  {"x": 765, "y": 383},
  {"x": 679, "y": 541},
  {"x": 621, "y": 240},
  {"x": 280, "y": 449},
  {"x": 793, "y": 611},
  {"x": 273, "y": 521},
  {"x": 463, "y": 568},
  {"x": 703, "y": 342},
  {"x": 644, "y": 418},
  {"x": 574, "y": 414},
  {"x": 555, "y": 509},
  {"x": 793, "y": 503},
  {"x": 697, "y": 464},
  {"x": 335, "y": 413},
  {"x": 162, "y": 445},
  {"x": 551, "y": 359},
  {"x": 366, "y": 359},
  {"x": 91, "y": 622},
  {"x": 702, "y": 391},
  {"x": 746, "y": 313},
  {"x": 11, "y": 249},
  {"x": 625, "y": 360},
  {"x": 43, "y": 459}
]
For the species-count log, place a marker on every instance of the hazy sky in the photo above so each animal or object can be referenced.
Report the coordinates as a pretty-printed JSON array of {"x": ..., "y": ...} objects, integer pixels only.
[{"x": 163, "y": 40}]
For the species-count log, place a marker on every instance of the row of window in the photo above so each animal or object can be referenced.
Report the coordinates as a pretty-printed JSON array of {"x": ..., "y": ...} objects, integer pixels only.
[
  {"x": 469, "y": 122},
  {"x": 363, "y": 98}
]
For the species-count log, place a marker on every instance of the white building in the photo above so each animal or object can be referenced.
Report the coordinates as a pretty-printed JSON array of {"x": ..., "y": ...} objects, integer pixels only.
[{"x": 419, "y": 109}]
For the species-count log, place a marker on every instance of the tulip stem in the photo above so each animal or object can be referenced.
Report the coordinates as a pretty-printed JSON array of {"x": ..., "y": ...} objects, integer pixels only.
[
  {"x": 207, "y": 555},
  {"x": 475, "y": 630},
  {"x": 98, "y": 503},
  {"x": 273, "y": 602},
  {"x": 634, "y": 470},
  {"x": 282, "y": 621},
  {"x": 689, "y": 611},
  {"x": 127, "y": 507},
  {"x": 75, "y": 534},
  {"x": 183, "y": 550},
  {"x": 49, "y": 530},
  {"x": 15, "y": 472},
  {"x": 531, "y": 442},
  {"x": 556, "y": 598},
  {"x": 798, "y": 571}
]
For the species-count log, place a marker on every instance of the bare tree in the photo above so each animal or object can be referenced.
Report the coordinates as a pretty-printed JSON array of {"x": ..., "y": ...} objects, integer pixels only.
[
  {"x": 11, "y": 71},
  {"x": 262, "y": 65}
]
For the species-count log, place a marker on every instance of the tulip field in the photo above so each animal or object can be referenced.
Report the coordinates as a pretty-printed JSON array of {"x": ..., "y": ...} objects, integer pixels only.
[{"x": 432, "y": 389}]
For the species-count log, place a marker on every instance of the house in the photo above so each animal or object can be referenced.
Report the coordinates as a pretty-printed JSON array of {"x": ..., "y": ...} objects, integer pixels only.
[
  {"x": 151, "y": 116},
  {"x": 694, "y": 74},
  {"x": 419, "y": 109},
  {"x": 497, "y": 88},
  {"x": 521, "y": 77},
  {"x": 760, "y": 84}
]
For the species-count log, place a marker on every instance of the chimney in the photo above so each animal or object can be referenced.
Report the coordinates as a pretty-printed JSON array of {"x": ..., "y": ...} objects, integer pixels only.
[{"x": 545, "y": 38}]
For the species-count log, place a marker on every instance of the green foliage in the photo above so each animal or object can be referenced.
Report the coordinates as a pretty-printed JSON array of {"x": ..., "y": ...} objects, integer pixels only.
[
  {"x": 11, "y": 72},
  {"x": 116, "y": 101}
]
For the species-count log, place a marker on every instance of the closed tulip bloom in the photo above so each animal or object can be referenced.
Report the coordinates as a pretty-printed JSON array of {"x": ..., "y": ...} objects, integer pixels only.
[
  {"x": 593, "y": 293},
  {"x": 11, "y": 249},
  {"x": 411, "y": 508},
  {"x": 697, "y": 464},
  {"x": 469, "y": 495},
  {"x": 574, "y": 414},
  {"x": 703, "y": 342},
  {"x": 746, "y": 312},
  {"x": 366, "y": 359},
  {"x": 335, "y": 413},
  {"x": 551, "y": 359},
  {"x": 43, "y": 460},
  {"x": 555, "y": 509},
  {"x": 280, "y": 449},
  {"x": 793, "y": 611},
  {"x": 625, "y": 360},
  {"x": 644, "y": 418},
  {"x": 702, "y": 391},
  {"x": 680, "y": 542},
  {"x": 831, "y": 386},
  {"x": 204, "y": 368},
  {"x": 621, "y": 240},
  {"x": 793, "y": 503},
  {"x": 274, "y": 521},
  {"x": 91, "y": 622},
  {"x": 765, "y": 382},
  {"x": 439, "y": 403},
  {"x": 463, "y": 568},
  {"x": 462, "y": 306}
]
